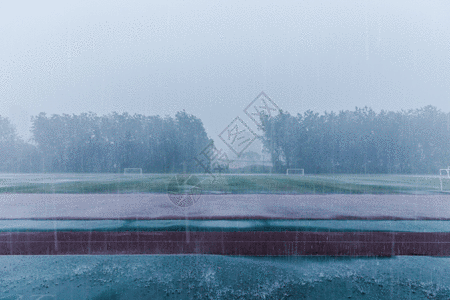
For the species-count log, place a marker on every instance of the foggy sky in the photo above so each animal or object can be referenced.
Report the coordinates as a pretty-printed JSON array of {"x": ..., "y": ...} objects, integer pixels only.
[{"x": 212, "y": 58}]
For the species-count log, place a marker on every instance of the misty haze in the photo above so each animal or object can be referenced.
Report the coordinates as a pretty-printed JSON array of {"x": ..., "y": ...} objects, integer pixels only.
[{"x": 224, "y": 150}]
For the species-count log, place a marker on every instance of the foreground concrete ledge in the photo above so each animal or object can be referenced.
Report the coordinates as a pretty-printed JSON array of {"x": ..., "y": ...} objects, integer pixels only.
[{"x": 249, "y": 206}]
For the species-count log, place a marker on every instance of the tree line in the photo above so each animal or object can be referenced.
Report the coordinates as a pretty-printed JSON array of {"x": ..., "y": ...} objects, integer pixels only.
[
  {"x": 109, "y": 143},
  {"x": 360, "y": 141}
]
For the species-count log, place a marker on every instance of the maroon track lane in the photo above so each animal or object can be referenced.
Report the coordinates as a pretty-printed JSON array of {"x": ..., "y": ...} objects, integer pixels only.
[{"x": 259, "y": 243}]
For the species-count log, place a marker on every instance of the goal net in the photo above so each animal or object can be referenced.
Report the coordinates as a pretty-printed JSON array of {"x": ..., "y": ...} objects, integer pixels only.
[
  {"x": 132, "y": 171},
  {"x": 295, "y": 172}
]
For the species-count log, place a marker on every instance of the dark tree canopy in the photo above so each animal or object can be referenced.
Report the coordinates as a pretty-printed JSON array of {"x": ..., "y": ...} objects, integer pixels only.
[
  {"x": 110, "y": 143},
  {"x": 360, "y": 141}
]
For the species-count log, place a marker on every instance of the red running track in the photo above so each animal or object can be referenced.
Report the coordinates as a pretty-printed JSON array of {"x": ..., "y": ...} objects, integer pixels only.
[{"x": 257, "y": 243}]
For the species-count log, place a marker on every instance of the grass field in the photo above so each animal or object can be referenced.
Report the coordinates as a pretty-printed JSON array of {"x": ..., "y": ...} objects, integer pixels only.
[{"x": 225, "y": 184}]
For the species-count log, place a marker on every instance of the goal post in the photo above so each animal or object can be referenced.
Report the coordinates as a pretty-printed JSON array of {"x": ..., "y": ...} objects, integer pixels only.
[
  {"x": 132, "y": 171},
  {"x": 300, "y": 172},
  {"x": 445, "y": 171},
  {"x": 441, "y": 175}
]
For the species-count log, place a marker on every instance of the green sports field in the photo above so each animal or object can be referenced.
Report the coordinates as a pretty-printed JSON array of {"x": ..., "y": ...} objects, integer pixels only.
[{"x": 224, "y": 184}]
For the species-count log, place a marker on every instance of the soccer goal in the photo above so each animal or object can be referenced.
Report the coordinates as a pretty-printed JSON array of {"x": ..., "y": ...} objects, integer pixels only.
[
  {"x": 132, "y": 171},
  {"x": 295, "y": 172},
  {"x": 442, "y": 174},
  {"x": 445, "y": 171}
]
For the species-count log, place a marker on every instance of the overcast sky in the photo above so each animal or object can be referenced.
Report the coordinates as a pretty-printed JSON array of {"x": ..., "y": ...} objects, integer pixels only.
[{"x": 213, "y": 58}]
